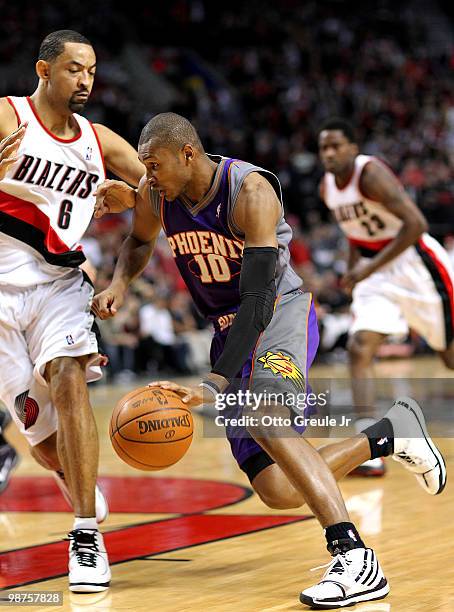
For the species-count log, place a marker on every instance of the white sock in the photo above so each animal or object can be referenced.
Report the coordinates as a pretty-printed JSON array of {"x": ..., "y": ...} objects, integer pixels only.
[
  {"x": 361, "y": 424},
  {"x": 82, "y": 522}
]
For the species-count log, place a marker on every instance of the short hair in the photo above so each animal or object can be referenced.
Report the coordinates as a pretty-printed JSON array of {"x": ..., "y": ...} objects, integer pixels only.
[
  {"x": 171, "y": 130},
  {"x": 54, "y": 43},
  {"x": 344, "y": 126}
]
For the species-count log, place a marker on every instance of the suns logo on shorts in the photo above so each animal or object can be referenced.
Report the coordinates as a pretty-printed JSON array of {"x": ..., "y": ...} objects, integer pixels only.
[{"x": 282, "y": 365}]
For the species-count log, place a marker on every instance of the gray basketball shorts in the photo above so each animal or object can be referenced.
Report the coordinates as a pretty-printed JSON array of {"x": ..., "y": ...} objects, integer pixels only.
[{"x": 277, "y": 368}]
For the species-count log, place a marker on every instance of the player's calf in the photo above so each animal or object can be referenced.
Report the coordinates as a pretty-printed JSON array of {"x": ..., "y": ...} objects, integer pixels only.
[
  {"x": 447, "y": 356},
  {"x": 101, "y": 505},
  {"x": 362, "y": 347}
]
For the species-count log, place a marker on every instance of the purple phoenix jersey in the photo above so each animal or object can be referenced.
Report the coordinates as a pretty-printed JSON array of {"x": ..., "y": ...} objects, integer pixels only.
[
  {"x": 207, "y": 246},
  {"x": 206, "y": 251}
]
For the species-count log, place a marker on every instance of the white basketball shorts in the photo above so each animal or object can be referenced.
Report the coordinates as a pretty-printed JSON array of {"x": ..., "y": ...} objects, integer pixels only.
[
  {"x": 414, "y": 290},
  {"x": 38, "y": 324}
]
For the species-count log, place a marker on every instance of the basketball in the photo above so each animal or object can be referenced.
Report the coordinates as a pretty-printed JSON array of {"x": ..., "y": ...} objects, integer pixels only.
[{"x": 151, "y": 428}]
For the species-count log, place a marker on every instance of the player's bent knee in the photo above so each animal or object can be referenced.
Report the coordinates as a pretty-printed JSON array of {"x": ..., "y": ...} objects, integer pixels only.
[
  {"x": 65, "y": 376},
  {"x": 65, "y": 369},
  {"x": 281, "y": 503},
  {"x": 360, "y": 348},
  {"x": 275, "y": 491}
]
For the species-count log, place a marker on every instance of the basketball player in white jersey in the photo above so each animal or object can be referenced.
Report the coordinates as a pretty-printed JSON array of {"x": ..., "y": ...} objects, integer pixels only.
[
  {"x": 51, "y": 162},
  {"x": 400, "y": 277}
]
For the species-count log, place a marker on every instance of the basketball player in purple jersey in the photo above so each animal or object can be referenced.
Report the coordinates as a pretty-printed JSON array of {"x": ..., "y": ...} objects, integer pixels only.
[
  {"x": 51, "y": 161},
  {"x": 224, "y": 222}
]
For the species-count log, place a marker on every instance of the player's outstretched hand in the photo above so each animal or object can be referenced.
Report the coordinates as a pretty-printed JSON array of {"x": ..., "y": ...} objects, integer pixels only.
[
  {"x": 107, "y": 303},
  {"x": 191, "y": 396},
  {"x": 114, "y": 197},
  {"x": 9, "y": 147},
  {"x": 359, "y": 272}
]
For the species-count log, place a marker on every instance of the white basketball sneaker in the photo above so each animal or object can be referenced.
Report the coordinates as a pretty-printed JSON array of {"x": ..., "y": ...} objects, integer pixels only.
[
  {"x": 413, "y": 447},
  {"x": 89, "y": 570},
  {"x": 351, "y": 577},
  {"x": 102, "y": 507}
]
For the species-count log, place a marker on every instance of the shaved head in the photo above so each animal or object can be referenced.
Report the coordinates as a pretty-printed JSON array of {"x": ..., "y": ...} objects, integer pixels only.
[{"x": 170, "y": 130}]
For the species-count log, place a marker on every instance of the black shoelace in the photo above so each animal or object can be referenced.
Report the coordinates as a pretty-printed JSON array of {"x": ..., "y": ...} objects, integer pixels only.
[
  {"x": 85, "y": 546},
  {"x": 408, "y": 459}
]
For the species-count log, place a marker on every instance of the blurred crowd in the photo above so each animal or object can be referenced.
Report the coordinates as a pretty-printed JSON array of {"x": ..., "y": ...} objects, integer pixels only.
[
  {"x": 258, "y": 79},
  {"x": 282, "y": 68}
]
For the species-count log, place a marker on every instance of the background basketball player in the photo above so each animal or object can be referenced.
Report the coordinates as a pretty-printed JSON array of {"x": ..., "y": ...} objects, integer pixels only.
[
  {"x": 51, "y": 161},
  {"x": 399, "y": 276},
  {"x": 224, "y": 222}
]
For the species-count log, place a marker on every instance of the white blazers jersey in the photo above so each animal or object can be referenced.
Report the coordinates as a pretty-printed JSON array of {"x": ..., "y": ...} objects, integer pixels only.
[
  {"x": 47, "y": 200},
  {"x": 415, "y": 289},
  {"x": 368, "y": 225}
]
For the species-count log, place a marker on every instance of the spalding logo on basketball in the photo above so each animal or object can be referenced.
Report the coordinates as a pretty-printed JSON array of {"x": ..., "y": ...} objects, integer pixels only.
[{"x": 151, "y": 428}]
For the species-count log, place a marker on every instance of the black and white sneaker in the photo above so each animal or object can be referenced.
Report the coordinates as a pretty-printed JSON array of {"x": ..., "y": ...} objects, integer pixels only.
[
  {"x": 351, "y": 577},
  {"x": 89, "y": 570},
  {"x": 413, "y": 447},
  {"x": 5, "y": 419},
  {"x": 8, "y": 460},
  {"x": 9, "y": 457}
]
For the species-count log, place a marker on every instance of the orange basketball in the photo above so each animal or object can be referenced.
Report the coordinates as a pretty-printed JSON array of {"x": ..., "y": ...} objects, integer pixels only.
[{"x": 151, "y": 428}]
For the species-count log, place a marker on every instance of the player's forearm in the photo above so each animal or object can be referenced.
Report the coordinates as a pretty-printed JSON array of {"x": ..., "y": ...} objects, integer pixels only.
[
  {"x": 353, "y": 256},
  {"x": 408, "y": 235},
  {"x": 132, "y": 260},
  {"x": 130, "y": 173},
  {"x": 257, "y": 294}
]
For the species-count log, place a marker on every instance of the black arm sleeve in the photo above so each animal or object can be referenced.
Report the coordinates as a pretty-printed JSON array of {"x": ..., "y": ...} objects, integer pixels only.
[{"x": 257, "y": 296}]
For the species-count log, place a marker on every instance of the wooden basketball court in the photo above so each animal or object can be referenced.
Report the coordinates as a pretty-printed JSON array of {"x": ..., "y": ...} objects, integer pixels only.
[{"x": 194, "y": 537}]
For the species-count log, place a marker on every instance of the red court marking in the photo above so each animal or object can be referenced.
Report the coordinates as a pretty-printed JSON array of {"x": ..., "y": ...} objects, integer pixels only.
[
  {"x": 127, "y": 494},
  {"x": 148, "y": 495},
  {"x": 38, "y": 563}
]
